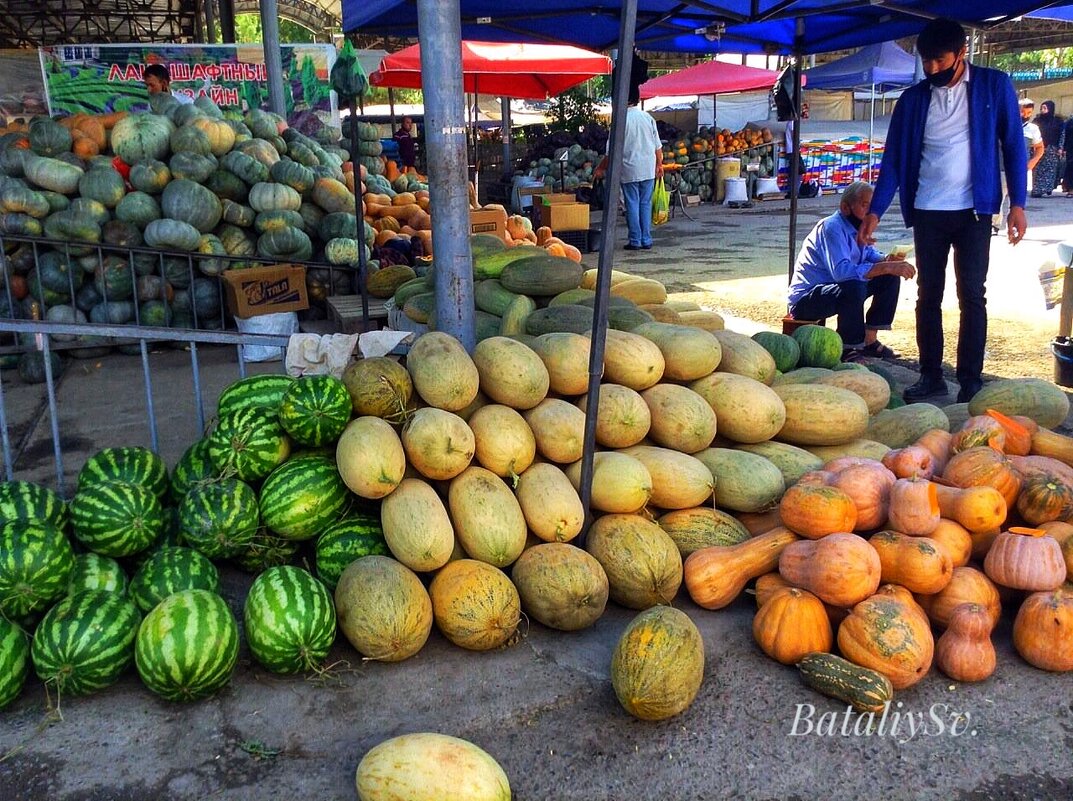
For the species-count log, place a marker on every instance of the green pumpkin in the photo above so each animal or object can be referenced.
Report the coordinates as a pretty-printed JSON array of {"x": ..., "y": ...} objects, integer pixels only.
[
  {"x": 112, "y": 312},
  {"x": 114, "y": 279},
  {"x": 221, "y": 136},
  {"x": 236, "y": 241},
  {"x": 291, "y": 173},
  {"x": 212, "y": 246},
  {"x": 72, "y": 225},
  {"x": 278, "y": 220},
  {"x": 191, "y": 203},
  {"x": 274, "y": 197},
  {"x": 139, "y": 137},
  {"x": 336, "y": 224},
  {"x": 192, "y": 166},
  {"x": 170, "y": 234},
  {"x": 19, "y": 198},
  {"x": 186, "y": 115},
  {"x": 57, "y": 273},
  {"x": 52, "y": 174},
  {"x": 190, "y": 139},
  {"x": 290, "y": 244},
  {"x": 138, "y": 208},
  {"x": 227, "y": 186},
  {"x": 237, "y": 214},
  {"x": 105, "y": 186},
  {"x": 312, "y": 216},
  {"x": 122, "y": 233},
  {"x": 302, "y": 154},
  {"x": 244, "y": 166},
  {"x": 260, "y": 150},
  {"x": 150, "y": 176},
  {"x": 48, "y": 137}
]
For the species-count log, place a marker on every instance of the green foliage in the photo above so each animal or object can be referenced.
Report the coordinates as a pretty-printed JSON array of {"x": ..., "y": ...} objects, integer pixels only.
[
  {"x": 1034, "y": 59},
  {"x": 572, "y": 110},
  {"x": 248, "y": 29}
]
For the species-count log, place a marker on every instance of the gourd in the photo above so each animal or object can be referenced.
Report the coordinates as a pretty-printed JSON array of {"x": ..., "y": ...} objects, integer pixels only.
[
  {"x": 716, "y": 575},
  {"x": 1026, "y": 559},
  {"x": 912, "y": 461},
  {"x": 864, "y": 689},
  {"x": 792, "y": 624},
  {"x": 984, "y": 467},
  {"x": 914, "y": 507},
  {"x": 1044, "y": 497},
  {"x": 978, "y": 509},
  {"x": 868, "y": 484},
  {"x": 887, "y": 634},
  {"x": 1043, "y": 630},
  {"x": 917, "y": 563},
  {"x": 816, "y": 511},
  {"x": 964, "y": 651},
  {"x": 840, "y": 569},
  {"x": 967, "y": 585},
  {"x": 1056, "y": 446}
]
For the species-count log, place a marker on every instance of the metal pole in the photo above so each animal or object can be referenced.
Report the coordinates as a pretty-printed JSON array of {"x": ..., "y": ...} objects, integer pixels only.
[
  {"x": 795, "y": 178},
  {"x": 627, "y": 26},
  {"x": 871, "y": 133},
  {"x": 504, "y": 128},
  {"x": 440, "y": 30},
  {"x": 273, "y": 60},
  {"x": 227, "y": 21},
  {"x": 391, "y": 107},
  {"x": 210, "y": 21}
]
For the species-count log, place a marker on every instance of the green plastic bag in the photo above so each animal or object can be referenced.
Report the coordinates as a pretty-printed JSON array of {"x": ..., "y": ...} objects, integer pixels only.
[{"x": 661, "y": 203}]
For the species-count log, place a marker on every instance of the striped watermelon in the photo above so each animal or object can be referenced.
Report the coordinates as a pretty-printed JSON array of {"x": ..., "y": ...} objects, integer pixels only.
[
  {"x": 303, "y": 496},
  {"x": 194, "y": 466},
  {"x": 264, "y": 551},
  {"x": 21, "y": 500},
  {"x": 95, "y": 572},
  {"x": 315, "y": 410},
  {"x": 36, "y": 561},
  {"x": 219, "y": 518},
  {"x": 255, "y": 391},
  {"x": 187, "y": 646},
  {"x": 115, "y": 518},
  {"x": 172, "y": 570},
  {"x": 290, "y": 620},
  {"x": 130, "y": 465},
  {"x": 356, "y": 535},
  {"x": 86, "y": 641},
  {"x": 14, "y": 661},
  {"x": 248, "y": 443}
]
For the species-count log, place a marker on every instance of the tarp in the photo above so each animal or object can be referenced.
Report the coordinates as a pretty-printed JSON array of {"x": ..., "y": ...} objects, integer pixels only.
[
  {"x": 884, "y": 66},
  {"x": 709, "y": 78},
  {"x": 1061, "y": 13},
  {"x": 533, "y": 71}
]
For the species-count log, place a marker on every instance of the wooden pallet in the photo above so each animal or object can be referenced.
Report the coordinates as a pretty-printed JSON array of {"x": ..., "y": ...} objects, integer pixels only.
[{"x": 345, "y": 311}]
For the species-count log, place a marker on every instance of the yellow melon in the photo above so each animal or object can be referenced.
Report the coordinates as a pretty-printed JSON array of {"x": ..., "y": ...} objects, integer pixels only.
[
  {"x": 561, "y": 586},
  {"x": 383, "y": 609},
  {"x": 503, "y": 441},
  {"x": 747, "y": 410},
  {"x": 370, "y": 457},
  {"x": 559, "y": 429},
  {"x": 487, "y": 518},
  {"x": 679, "y": 481},
  {"x": 632, "y": 360},
  {"x": 689, "y": 353},
  {"x": 511, "y": 373},
  {"x": 681, "y": 419},
  {"x": 416, "y": 526},
  {"x": 438, "y": 443},
  {"x": 426, "y": 766},
  {"x": 622, "y": 417},
  {"x": 642, "y": 563},
  {"x": 550, "y": 504},
  {"x": 620, "y": 483},
  {"x": 566, "y": 356},
  {"x": 475, "y": 605},
  {"x": 443, "y": 373}
]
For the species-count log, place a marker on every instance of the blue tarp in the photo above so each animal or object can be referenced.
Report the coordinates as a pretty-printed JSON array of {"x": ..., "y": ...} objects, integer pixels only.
[
  {"x": 884, "y": 66},
  {"x": 1061, "y": 13}
]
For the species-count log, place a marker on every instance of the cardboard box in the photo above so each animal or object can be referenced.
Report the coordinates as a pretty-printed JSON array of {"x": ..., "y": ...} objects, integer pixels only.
[
  {"x": 487, "y": 222},
  {"x": 266, "y": 290},
  {"x": 565, "y": 216},
  {"x": 551, "y": 198}
]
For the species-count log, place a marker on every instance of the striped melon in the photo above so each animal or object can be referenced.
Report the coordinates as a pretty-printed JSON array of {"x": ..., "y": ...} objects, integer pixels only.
[
  {"x": 14, "y": 661},
  {"x": 21, "y": 500},
  {"x": 370, "y": 458},
  {"x": 86, "y": 641},
  {"x": 187, "y": 646},
  {"x": 701, "y": 527},
  {"x": 302, "y": 496},
  {"x": 622, "y": 416},
  {"x": 315, "y": 410},
  {"x": 679, "y": 480},
  {"x": 474, "y": 605},
  {"x": 378, "y": 387},
  {"x": 658, "y": 664},
  {"x": 219, "y": 518},
  {"x": 95, "y": 572},
  {"x": 356, "y": 535},
  {"x": 265, "y": 550},
  {"x": 502, "y": 440},
  {"x": 487, "y": 519},
  {"x": 194, "y": 466},
  {"x": 438, "y": 444},
  {"x": 289, "y": 620},
  {"x": 443, "y": 373},
  {"x": 264, "y": 391},
  {"x": 170, "y": 570},
  {"x": 642, "y": 563},
  {"x": 1035, "y": 398},
  {"x": 130, "y": 465},
  {"x": 416, "y": 526},
  {"x": 746, "y": 482},
  {"x": 383, "y": 609},
  {"x": 248, "y": 443},
  {"x": 115, "y": 518},
  {"x": 36, "y": 561}
]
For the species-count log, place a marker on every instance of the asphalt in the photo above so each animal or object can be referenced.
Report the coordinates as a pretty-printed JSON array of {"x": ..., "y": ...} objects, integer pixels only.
[{"x": 544, "y": 707}]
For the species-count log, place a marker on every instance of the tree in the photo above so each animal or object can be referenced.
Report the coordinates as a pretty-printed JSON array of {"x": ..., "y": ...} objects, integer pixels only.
[
  {"x": 572, "y": 110},
  {"x": 1034, "y": 59},
  {"x": 248, "y": 30}
]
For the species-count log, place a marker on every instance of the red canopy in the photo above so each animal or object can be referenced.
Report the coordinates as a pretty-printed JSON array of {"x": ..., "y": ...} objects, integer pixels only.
[
  {"x": 533, "y": 71},
  {"x": 710, "y": 78}
]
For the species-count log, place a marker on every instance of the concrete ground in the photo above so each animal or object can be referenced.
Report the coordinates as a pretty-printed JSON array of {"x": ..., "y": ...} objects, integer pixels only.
[{"x": 544, "y": 708}]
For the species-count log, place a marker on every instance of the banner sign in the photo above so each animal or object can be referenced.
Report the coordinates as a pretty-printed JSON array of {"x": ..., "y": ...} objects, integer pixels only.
[
  {"x": 22, "y": 90},
  {"x": 98, "y": 79}
]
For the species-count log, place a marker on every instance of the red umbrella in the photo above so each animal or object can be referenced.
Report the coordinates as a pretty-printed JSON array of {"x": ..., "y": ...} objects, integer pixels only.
[
  {"x": 710, "y": 78},
  {"x": 532, "y": 71}
]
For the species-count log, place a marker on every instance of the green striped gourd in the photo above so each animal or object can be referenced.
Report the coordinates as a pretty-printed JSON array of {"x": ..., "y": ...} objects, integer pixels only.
[
  {"x": 356, "y": 535},
  {"x": 194, "y": 466},
  {"x": 86, "y": 641},
  {"x": 187, "y": 646},
  {"x": 130, "y": 465},
  {"x": 36, "y": 561},
  {"x": 95, "y": 572},
  {"x": 115, "y": 518},
  {"x": 315, "y": 410},
  {"x": 290, "y": 620},
  {"x": 248, "y": 443},
  {"x": 254, "y": 391},
  {"x": 219, "y": 518},
  {"x": 22, "y": 500},
  {"x": 265, "y": 550},
  {"x": 14, "y": 661},
  {"x": 171, "y": 570},
  {"x": 303, "y": 496}
]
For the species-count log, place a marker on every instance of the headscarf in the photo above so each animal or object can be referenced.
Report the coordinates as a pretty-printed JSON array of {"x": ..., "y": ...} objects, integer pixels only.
[{"x": 1050, "y": 124}]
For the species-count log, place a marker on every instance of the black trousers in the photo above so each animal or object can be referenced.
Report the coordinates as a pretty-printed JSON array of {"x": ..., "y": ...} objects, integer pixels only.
[{"x": 935, "y": 233}]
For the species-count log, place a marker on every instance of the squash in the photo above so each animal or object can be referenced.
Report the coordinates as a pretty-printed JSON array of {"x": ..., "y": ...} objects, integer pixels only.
[
  {"x": 443, "y": 373},
  {"x": 977, "y": 467},
  {"x": 912, "y": 461},
  {"x": 550, "y": 504},
  {"x": 746, "y": 410},
  {"x": 964, "y": 651},
  {"x": 955, "y": 539},
  {"x": 978, "y": 509},
  {"x": 1026, "y": 559},
  {"x": 560, "y": 585},
  {"x": 866, "y": 690},
  {"x": 642, "y": 563},
  {"x": 1063, "y": 532},
  {"x": 699, "y": 527},
  {"x": 817, "y": 511},
  {"x": 936, "y": 442},
  {"x": 679, "y": 481},
  {"x": 139, "y": 137},
  {"x": 967, "y": 585},
  {"x": 1043, "y": 498},
  {"x": 868, "y": 484},
  {"x": 715, "y": 576},
  {"x": 416, "y": 526},
  {"x": 917, "y": 563},
  {"x": 1043, "y": 630},
  {"x": 383, "y": 609},
  {"x": 792, "y": 624},
  {"x": 840, "y": 569},
  {"x": 474, "y": 605},
  {"x": 979, "y": 432},
  {"x": 1018, "y": 432},
  {"x": 888, "y": 635},
  {"x": 914, "y": 507},
  {"x": 487, "y": 519},
  {"x": 1053, "y": 445}
]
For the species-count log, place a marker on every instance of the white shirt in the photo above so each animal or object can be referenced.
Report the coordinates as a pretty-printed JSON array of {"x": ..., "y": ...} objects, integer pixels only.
[
  {"x": 945, "y": 161},
  {"x": 183, "y": 98},
  {"x": 1032, "y": 135},
  {"x": 639, "y": 149}
]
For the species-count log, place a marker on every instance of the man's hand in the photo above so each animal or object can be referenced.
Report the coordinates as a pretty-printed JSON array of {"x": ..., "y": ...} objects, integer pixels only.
[
  {"x": 867, "y": 229},
  {"x": 902, "y": 269},
  {"x": 1016, "y": 224}
]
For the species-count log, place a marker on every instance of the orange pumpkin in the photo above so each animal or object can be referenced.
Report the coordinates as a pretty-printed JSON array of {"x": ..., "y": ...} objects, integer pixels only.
[
  {"x": 716, "y": 575},
  {"x": 967, "y": 586},
  {"x": 914, "y": 507},
  {"x": 791, "y": 624},
  {"x": 816, "y": 511},
  {"x": 759, "y": 522},
  {"x": 937, "y": 443},
  {"x": 964, "y": 651},
  {"x": 919, "y": 564},
  {"x": 979, "y": 432},
  {"x": 868, "y": 486},
  {"x": 888, "y": 635},
  {"x": 912, "y": 461},
  {"x": 1019, "y": 431},
  {"x": 1043, "y": 630},
  {"x": 1026, "y": 559},
  {"x": 840, "y": 569},
  {"x": 984, "y": 467},
  {"x": 956, "y": 539},
  {"x": 1044, "y": 497}
]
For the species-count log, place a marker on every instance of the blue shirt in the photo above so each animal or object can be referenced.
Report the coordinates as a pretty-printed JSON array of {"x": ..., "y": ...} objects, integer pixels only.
[{"x": 831, "y": 255}]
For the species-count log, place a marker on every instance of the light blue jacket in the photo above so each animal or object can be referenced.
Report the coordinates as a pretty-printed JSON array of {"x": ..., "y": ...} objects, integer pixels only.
[{"x": 831, "y": 255}]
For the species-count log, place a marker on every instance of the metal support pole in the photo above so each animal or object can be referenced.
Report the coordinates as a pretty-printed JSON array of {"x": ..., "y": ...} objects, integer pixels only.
[
  {"x": 227, "y": 21},
  {"x": 871, "y": 134},
  {"x": 627, "y": 26},
  {"x": 440, "y": 30},
  {"x": 795, "y": 159},
  {"x": 391, "y": 108},
  {"x": 210, "y": 21},
  {"x": 504, "y": 128},
  {"x": 273, "y": 60}
]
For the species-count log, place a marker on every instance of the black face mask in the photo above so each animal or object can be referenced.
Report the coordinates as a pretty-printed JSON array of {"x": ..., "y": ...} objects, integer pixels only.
[
  {"x": 854, "y": 220},
  {"x": 943, "y": 77}
]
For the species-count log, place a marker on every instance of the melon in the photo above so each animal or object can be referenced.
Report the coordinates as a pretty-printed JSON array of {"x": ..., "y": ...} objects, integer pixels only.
[
  {"x": 688, "y": 353},
  {"x": 620, "y": 483},
  {"x": 559, "y": 430},
  {"x": 803, "y": 375},
  {"x": 383, "y": 609},
  {"x": 632, "y": 360},
  {"x": 475, "y": 605},
  {"x": 792, "y": 462},
  {"x": 511, "y": 373},
  {"x": 370, "y": 457},
  {"x": 904, "y": 426},
  {"x": 487, "y": 519},
  {"x": 743, "y": 356},
  {"x": 821, "y": 415},
  {"x": 860, "y": 448},
  {"x": 746, "y": 482},
  {"x": 679, "y": 480},
  {"x": 378, "y": 387},
  {"x": 681, "y": 419},
  {"x": 430, "y": 767},
  {"x": 820, "y": 346},
  {"x": 642, "y": 563},
  {"x": 479, "y": 402},
  {"x": 443, "y": 373},
  {"x": 783, "y": 349},
  {"x": 747, "y": 410},
  {"x": 438, "y": 444},
  {"x": 502, "y": 440},
  {"x": 550, "y": 504},
  {"x": 872, "y": 388},
  {"x": 1035, "y": 398},
  {"x": 561, "y": 586},
  {"x": 416, "y": 526},
  {"x": 702, "y": 527},
  {"x": 622, "y": 417},
  {"x": 566, "y": 357}
]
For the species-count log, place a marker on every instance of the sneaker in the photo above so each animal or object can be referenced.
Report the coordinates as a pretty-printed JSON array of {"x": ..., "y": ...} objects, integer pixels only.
[
  {"x": 925, "y": 388},
  {"x": 632, "y": 247},
  {"x": 968, "y": 391}
]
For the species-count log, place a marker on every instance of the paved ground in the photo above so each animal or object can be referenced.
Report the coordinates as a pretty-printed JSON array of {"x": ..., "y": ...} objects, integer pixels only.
[{"x": 544, "y": 707}]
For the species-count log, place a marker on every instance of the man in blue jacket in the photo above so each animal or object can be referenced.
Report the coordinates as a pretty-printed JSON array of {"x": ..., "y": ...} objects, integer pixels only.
[{"x": 942, "y": 154}]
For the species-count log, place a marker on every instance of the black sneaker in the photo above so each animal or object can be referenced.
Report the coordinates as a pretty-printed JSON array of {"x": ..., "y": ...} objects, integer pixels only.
[
  {"x": 925, "y": 388},
  {"x": 968, "y": 391}
]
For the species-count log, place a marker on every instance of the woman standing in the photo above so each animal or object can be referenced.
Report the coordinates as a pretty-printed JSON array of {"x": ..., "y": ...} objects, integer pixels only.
[{"x": 1052, "y": 127}]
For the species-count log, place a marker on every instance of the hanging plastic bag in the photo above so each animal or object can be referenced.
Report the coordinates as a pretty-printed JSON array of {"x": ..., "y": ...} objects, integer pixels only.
[{"x": 661, "y": 203}]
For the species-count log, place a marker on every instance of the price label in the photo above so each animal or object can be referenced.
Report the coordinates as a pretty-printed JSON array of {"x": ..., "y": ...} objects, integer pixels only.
[{"x": 752, "y": 166}]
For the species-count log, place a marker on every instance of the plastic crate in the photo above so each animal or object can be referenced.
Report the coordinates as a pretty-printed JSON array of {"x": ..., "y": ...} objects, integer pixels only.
[{"x": 579, "y": 239}]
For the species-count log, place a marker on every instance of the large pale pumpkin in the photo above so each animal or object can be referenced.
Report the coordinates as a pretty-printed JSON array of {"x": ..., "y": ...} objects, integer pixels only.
[
  {"x": 502, "y": 440},
  {"x": 679, "y": 481},
  {"x": 383, "y": 609},
  {"x": 621, "y": 484},
  {"x": 642, "y": 563},
  {"x": 560, "y": 585},
  {"x": 475, "y": 605},
  {"x": 416, "y": 526},
  {"x": 511, "y": 373},
  {"x": 559, "y": 430},
  {"x": 550, "y": 504},
  {"x": 487, "y": 518},
  {"x": 681, "y": 419},
  {"x": 370, "y": 457},
  {"x": 443, "y": 373},
  {"x": 622, "y": 418},
  {"x": 438, "y": 444},
  {"x": 887, "y": 635}
]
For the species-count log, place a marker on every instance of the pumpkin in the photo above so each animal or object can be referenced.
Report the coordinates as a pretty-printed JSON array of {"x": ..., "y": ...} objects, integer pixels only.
[
  {"x": 140, "y": 137},
  {"x": 912, "y": 461},
  {"x": 474, "y": 605},
  {"x": 502, "y": 441},
  {"x": 550, "y": 504},
  {"x": 1026, "y": 559},
  {"x": 792, "y": 624},
  {"x": 840, "y": 569},
  {"x": 914, "y": 507},
  {"x": 1063, "y": 532},
  {"x": 985, "y": 467},
  {"x": 715, "y": 576},
  {"x": 868, "y": 485},
  {"x": 978, "y": 509},
  {"x": 383, "y": 609},
  {"x": 967, "y": 586},
  {"x": 642, "y": 563},
  {"x": 937, "y": 442},
  {"x": 560, "y": 585},
  {"x": 964, "y": 651},
  {"x": 977, "y": 432},
  {"x": 816, "y": 511},
  {"x": 1044, "y": 497},
  {"x": 917, "y": 563},
  {"x": 1043, "y": 630},
  {"x": 191, "y": 203},
  {"x": 955, "y": 539},
  {"x": 416, "y": 526},
  {"x": 1018, "y": 431},
  {"x": 888, "y": 635}
]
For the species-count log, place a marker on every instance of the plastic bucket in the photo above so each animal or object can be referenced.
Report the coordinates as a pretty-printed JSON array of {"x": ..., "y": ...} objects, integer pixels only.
[
  {"x": 726, "y": 168},
  {"x": 1062, "y": 348}
]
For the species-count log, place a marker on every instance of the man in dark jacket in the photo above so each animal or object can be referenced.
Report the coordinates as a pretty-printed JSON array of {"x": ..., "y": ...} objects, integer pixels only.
[{"x": 948, "y": 186}]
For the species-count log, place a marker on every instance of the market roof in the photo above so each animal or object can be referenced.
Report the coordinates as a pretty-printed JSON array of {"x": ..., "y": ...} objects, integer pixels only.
[
  {"x": 883, "y": 66},
  {"x": 710, "y": 78}
]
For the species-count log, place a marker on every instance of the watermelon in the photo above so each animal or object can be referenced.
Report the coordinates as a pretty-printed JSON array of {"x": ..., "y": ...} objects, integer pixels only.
[
  {"x": 302, "y": 496},
  {"x": 21, "y": 500},
  {"x": 315, "y": 410},
  {"x": 356, "y": 535},
  {"x": 187, "y": 646},
  {"x": 265, "y": 550},
  {"x": 14, "y": 661},
  {"x": 192, "y": 467},
  {"x": 36, "y": 561},
  {"x": 130, "y": 465},
  {"x": 116, "y": 518},
  {"x": 248, "y": 443},
  {"x": 783, "y": 349},
  {"x": 290, "y": 620},
  {"x": 95, "y": 572},
  {"x": 85, "y": 641},
  {"x": 255, "y": 391},
  {"x": 820, "y": 346},
  {"x": 172, "y": 570},
  {"x": 219, "y": 518}
]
